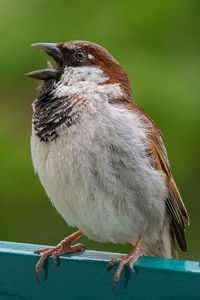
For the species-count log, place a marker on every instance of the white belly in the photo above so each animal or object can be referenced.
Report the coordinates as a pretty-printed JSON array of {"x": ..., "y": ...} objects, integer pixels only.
[{"x": 98, "y": 182}]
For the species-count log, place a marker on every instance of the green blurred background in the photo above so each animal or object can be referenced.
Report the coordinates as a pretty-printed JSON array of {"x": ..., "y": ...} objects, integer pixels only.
[{"x": 157, "y": 42}]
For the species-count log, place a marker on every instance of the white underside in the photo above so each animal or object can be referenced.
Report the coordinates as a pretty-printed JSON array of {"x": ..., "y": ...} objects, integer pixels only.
[
  {"x": 104, "y": 206},
  {"x": 97, "y": 176}
]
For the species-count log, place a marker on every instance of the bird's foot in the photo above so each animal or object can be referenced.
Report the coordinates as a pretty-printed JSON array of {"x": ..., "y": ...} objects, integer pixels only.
[
  {"x": 131, "y": 258},
  {"x": 63, "y": 247}
]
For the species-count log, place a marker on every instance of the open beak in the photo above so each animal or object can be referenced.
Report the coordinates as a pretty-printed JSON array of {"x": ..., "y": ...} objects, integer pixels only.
[{"x": 53, "y": 50}]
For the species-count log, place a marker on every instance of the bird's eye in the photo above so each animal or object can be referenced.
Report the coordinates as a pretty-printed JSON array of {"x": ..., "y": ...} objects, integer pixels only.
[{"x": 81, "y": 55}]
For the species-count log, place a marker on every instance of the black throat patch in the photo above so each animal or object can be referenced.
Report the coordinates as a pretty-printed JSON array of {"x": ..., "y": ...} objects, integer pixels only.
[{"x": 50, "y": 113}]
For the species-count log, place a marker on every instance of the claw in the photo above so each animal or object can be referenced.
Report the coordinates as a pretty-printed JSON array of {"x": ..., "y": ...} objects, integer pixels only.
[
  {"x": 110, "y": 265},
  {"x": 131, "y": 266},
  {"x": 55, "y": 259},
  {"x": 113, "y": 262},
  {"x": 131, "y": 258},
  {"x": 115, "y": 280},
  {"x": 37, "y": 272},
  {"x": 62, "y": 248}
]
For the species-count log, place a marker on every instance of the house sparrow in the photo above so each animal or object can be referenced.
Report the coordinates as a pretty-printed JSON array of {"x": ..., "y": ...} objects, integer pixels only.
[{"x": 101, "y": 158}]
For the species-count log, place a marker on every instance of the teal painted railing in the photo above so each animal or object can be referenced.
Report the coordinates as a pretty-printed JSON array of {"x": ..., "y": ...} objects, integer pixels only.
[{"x": 83, "y": 276}]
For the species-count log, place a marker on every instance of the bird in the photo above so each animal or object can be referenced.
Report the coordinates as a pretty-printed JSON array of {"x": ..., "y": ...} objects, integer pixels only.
[{"x": 101, "y": 158}]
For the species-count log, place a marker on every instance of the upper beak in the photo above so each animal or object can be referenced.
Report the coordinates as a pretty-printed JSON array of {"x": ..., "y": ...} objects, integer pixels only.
[{"x": 53, "y": 50}]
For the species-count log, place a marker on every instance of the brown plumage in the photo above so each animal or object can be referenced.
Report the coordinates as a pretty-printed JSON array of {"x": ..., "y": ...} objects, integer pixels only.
[{"x": 159, "y": 161}]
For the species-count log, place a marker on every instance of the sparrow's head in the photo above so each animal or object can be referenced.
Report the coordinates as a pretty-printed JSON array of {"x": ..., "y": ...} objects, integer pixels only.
[{"x": 83, "y": 64}]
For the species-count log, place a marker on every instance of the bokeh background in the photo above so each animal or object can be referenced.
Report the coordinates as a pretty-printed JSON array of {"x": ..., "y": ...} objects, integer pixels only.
[{"x": 157, "y": 42}]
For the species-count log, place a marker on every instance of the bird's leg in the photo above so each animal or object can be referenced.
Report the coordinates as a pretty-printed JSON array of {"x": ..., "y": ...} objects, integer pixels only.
[
  {"x": 131, "y": 258},
  {"x": 62, "y": 248}
]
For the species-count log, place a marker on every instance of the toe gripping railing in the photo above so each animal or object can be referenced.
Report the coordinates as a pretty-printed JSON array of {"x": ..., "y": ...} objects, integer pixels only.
[{"x": 83, "y": 275}]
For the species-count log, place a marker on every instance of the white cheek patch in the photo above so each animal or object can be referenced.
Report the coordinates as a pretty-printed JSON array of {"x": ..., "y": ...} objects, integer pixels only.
[
  {"x": 76, "y": 75},
  {"x": 89, "y": 82}
]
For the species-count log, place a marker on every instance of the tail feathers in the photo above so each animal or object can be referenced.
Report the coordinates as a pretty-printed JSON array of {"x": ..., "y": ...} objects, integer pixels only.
[{"x": 173, "y": 247}]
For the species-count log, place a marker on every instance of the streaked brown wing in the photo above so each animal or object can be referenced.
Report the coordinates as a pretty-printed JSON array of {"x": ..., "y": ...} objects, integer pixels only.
[{"x": 158, "y": 159}]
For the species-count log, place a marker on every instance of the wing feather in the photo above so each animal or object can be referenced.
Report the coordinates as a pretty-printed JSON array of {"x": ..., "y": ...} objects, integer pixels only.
[{"x": 156, "y": 149}]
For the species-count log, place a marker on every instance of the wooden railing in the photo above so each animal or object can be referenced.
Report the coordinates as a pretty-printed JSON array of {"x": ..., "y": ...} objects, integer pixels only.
[{"x": 83, "y": 276}]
